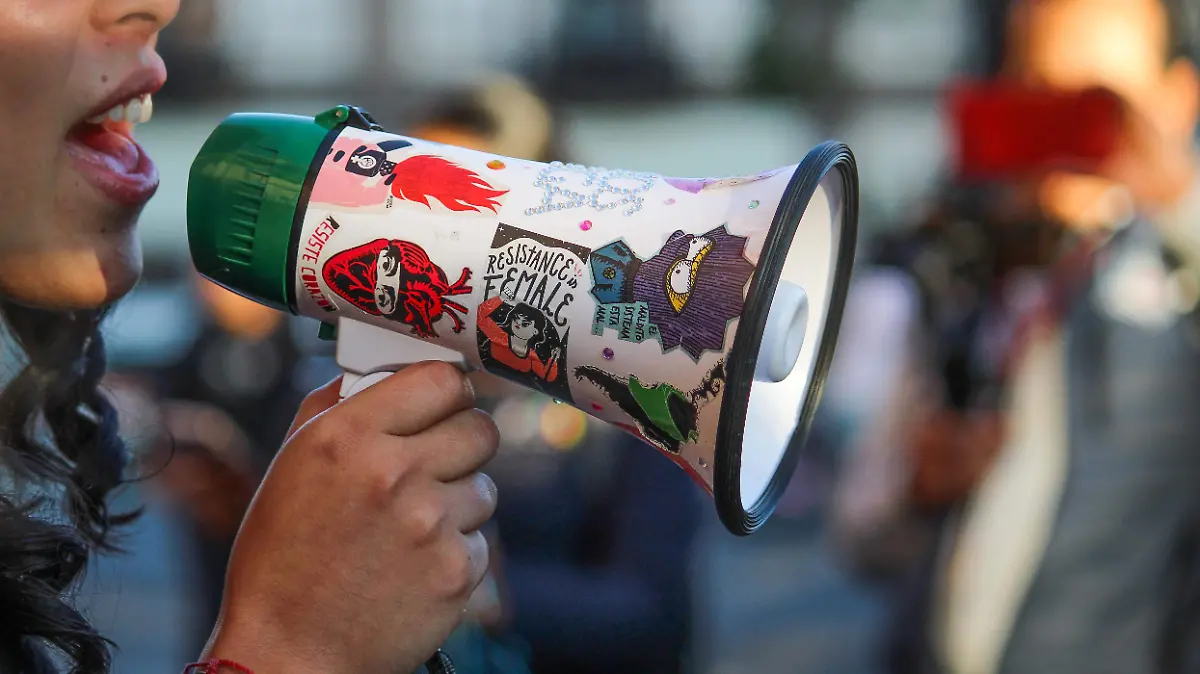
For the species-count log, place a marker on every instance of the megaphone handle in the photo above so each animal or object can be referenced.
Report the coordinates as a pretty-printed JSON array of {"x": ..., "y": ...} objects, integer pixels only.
[{"x": 368, "y": 353}]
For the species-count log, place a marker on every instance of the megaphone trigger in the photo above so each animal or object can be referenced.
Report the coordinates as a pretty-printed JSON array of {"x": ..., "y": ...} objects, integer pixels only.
[{"x": 353, "y": 383}]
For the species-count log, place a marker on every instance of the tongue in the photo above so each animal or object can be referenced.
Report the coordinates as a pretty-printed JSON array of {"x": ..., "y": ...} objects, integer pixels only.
[{"x": 117, "y": 148}]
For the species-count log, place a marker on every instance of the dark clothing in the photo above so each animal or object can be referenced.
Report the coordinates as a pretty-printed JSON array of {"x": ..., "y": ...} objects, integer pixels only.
[
  {"x": 1116, "y": 588},
  {"x": 1123, "y": 543},
  {"x": 597, "y": 549},
  {"x": 252, "y": 381}
]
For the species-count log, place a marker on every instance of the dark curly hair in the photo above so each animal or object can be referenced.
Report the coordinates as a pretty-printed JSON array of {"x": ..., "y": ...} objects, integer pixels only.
[{"x": 58, "y": 440}]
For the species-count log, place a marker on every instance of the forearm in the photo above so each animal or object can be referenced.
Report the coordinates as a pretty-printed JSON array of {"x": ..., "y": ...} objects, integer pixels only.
[{"x": 261, "y": 652}]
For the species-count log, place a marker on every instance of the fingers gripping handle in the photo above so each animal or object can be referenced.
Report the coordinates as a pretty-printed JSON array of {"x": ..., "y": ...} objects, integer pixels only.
[{"x": 367, "y": 354}]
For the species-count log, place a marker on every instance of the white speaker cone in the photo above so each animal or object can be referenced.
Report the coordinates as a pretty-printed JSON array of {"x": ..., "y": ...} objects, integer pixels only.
[
  {"x": 786, "y": 337},
  {"x": 776, "y": 403}
]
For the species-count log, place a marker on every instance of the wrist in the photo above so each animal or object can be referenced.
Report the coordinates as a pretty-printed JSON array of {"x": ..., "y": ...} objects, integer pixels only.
[
  {"x": 216, "y": 666},
  {"x": 257, "y": 650}
]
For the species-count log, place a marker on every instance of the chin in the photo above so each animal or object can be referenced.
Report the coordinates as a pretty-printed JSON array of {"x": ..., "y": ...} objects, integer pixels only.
[{"x": 83, "y": 277}]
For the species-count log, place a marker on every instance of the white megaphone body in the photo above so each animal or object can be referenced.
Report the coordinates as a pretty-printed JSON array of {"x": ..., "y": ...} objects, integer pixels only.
[{"x": 699, "y": 314}]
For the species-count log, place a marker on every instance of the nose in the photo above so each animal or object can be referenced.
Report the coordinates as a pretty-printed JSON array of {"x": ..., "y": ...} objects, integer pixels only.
[{"x": 134, "y": 19}]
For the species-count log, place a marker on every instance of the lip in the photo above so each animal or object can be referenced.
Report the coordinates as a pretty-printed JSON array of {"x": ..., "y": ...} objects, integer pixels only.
[
  {"x": 125, "y": 186},
  {"x": 147, "y": 80}
]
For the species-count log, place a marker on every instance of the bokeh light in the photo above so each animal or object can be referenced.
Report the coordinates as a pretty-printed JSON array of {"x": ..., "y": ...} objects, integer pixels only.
[
  {"x": 563, "y": 427},
  {"x": 517, "y": 418}
]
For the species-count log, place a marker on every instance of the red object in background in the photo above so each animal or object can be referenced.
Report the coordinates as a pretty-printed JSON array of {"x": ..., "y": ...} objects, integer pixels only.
[{"x": 1003, "y": 130}]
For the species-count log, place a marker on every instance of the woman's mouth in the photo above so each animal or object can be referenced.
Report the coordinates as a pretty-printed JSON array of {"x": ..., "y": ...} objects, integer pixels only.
[{"x": 104, "y": 152}]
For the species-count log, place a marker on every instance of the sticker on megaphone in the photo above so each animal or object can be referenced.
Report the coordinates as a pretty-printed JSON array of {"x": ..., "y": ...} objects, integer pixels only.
[{"x": 698, "y": 314}]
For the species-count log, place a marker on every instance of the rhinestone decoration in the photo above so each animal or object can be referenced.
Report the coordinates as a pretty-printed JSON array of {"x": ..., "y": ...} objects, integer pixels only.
[
  {"x": 670, "y": 202},
  {"x": 604, "y": 189},
  {"x": 702, "y": 462},
  {"x": 607, "y": 353},
  {"x": 597, "y": 407},
  {"x": 754, "y": 204},
  {"x": 585, "y": 225},
  {"x": 495, "y": 165}
]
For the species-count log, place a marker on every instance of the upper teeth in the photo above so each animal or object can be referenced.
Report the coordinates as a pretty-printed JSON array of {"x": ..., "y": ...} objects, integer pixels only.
[{"x": 135, "y": 111}]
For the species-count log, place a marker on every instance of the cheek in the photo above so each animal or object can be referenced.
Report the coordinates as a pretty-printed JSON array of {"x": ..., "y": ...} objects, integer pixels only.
[
  {"x": 39, "y": 94},
  {"x": 77, "y": 253},
  {"x": 30, "y": 196}
]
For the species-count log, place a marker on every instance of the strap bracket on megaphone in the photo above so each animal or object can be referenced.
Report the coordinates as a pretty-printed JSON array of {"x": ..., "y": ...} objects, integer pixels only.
[{"x": 348, "y": 115}]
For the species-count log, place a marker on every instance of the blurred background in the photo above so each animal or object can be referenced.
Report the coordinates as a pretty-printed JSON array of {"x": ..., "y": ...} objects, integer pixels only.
[{"x": 679, "y": 87}]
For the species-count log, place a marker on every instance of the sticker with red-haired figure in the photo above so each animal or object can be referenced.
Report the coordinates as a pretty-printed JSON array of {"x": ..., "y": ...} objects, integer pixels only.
[
  {"x": 397, "y": 280},
  {"x": 524, "y": 322},
  {"x": 358, "y": 172}
]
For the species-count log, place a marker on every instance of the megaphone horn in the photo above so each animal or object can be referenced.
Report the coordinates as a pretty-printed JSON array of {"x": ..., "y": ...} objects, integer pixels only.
[{"x": 700, "y": 315}]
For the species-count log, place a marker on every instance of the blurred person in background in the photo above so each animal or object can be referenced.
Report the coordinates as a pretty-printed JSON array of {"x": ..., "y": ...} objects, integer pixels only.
[
  {"x": 225, "y": 408},
  {"x": 364, "y": 486},
  {"x": 595, "y": 532},
  {"x": 503, "y": 115},
  {"x": 1044, "y": 490}
]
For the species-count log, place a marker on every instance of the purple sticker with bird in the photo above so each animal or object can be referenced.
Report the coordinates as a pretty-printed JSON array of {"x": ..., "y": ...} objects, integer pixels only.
[{"x": 685, "y": 295}]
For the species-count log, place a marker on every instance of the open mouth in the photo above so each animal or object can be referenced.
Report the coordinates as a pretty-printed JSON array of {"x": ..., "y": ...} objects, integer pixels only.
[{"x": 104, "y": 151}]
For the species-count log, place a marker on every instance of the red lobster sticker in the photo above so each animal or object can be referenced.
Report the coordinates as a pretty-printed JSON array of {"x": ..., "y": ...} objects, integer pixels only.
[{"x": 397, "y": 280}]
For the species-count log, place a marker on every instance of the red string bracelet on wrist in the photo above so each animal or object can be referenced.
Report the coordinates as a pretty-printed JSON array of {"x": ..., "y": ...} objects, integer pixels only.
[{"x": 214, "y": 666}]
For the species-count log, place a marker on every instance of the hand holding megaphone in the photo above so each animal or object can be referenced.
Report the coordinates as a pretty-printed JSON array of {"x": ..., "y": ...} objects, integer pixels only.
[{"x": 362, "y": 546}]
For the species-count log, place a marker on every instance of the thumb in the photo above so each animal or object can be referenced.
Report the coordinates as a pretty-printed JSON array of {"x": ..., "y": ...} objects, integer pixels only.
[{"x": 315, "y": 403}]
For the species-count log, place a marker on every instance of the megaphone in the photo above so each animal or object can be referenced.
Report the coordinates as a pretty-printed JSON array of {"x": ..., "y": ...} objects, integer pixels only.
[{"x": 700, "y": 315}]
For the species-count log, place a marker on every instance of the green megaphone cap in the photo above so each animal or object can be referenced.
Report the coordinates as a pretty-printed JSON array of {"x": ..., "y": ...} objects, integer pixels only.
[{"x": 245, "y": 192}]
